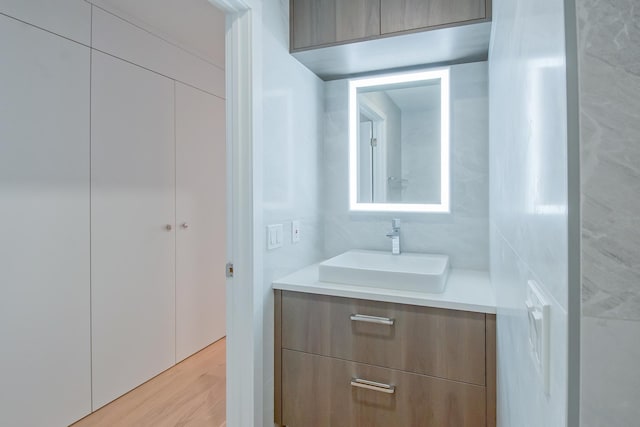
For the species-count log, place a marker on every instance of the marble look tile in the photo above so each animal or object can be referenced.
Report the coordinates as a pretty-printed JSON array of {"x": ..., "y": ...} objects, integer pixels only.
[
  {"x": 465, "y": 240},
  {"x": 292, "y": 138},
  {"x": 609, "y": 55},
  {"x": 529, "y": 136},
  {"x": 470, "y": 154},
  {"x": 293, "y": 256},
  {"x": 608, "y": 30},
  {"x": 463, "y": 235},
  {"x": 528, "y": 199},
  {"x": 292, "y": 131},
  {"x": 420, "y": 142},
  {"x": 610, "y": 354},
  {"x": 522, "y": 400},
  {"x": 609, "y": 67}
]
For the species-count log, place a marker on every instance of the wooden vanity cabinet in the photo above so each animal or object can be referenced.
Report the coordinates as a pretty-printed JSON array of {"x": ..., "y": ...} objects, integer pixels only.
[{"x": 438, "y": 364}]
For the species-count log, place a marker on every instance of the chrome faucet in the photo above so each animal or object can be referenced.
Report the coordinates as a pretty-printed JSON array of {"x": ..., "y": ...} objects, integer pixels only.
[{"x": 394, "y": 235}]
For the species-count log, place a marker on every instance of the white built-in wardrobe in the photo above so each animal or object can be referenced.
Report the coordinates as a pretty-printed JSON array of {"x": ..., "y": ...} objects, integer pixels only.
[
  {"x": 157, "y": 223},
  {"x": 112, "y": 198}
]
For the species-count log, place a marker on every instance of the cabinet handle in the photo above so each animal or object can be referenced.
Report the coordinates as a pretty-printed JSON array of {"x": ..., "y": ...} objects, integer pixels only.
[
  {"x": 168, "y": 227},
  {"x": 372, "y": 385},
  {"x": 185, "y": 225},
  {"x": 372, "y": 319}
]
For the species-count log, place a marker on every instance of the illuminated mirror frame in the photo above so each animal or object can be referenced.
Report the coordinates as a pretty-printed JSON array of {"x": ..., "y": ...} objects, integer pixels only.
[{"x": 445, "y": 191}]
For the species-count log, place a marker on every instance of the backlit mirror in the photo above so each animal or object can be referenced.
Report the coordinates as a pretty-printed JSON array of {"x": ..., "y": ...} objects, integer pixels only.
[{"x": 399, "y": 142}]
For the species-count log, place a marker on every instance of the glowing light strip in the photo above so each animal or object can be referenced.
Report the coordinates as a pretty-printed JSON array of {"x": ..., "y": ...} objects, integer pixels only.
[{"x": 445, "y": 172}]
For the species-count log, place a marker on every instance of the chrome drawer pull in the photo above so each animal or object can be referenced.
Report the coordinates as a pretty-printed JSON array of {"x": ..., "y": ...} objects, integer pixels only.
[
  {"x": 372, "y": 385},
  {"x": 372, "y": 319}
]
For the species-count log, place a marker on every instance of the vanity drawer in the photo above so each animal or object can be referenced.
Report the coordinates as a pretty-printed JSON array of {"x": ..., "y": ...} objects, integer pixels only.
[
  {"x": 317, "y": 391},
  {"x": 443, "y": 343}
]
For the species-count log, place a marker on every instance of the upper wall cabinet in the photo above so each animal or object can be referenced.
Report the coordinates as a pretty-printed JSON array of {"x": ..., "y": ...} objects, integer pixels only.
[
  {"x": 404, "y": 15},
  {"x": 338, "y": 38},
  {"x": 322, "y": 22}
]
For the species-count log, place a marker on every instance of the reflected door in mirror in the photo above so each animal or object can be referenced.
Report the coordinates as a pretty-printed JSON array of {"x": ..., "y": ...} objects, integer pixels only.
[{"x": 399, "y": 142}]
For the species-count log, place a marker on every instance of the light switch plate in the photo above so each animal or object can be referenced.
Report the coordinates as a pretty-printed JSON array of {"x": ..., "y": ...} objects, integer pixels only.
[
  {"x": 274, "y": 236},
  {"x": 295, "y": 231},
  {"x": 538, "y": 315}
]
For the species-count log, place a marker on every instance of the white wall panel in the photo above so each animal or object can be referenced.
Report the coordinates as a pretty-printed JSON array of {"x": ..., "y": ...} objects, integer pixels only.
[
  {"x": 44, "y": 238},
  {"x": 119, "y": 38},
  {"x": 195, "y": 25},
  {"x": 68, "y": 18}
]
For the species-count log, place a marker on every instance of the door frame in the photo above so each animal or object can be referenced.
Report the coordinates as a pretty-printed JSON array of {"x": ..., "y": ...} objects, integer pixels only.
[
  {"x": 243, "y": 305},
  {"x": 379, "y": 157}
]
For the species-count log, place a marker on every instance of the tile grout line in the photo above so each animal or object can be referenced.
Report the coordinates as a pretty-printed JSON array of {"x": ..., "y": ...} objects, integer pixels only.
[{"x": 534, "y": 275}]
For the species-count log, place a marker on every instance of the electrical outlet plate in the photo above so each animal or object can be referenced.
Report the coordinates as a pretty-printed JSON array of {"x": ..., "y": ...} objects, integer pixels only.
[
  {"x": 538, "y": 315},
  {"x": 295, "y": 231}
]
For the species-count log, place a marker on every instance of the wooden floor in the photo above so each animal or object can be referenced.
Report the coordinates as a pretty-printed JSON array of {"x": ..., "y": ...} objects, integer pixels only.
[{"x": 191, "y": 394}]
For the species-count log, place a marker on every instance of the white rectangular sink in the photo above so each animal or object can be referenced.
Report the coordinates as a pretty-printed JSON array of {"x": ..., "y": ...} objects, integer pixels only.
[{"x": 407, "y": 271}]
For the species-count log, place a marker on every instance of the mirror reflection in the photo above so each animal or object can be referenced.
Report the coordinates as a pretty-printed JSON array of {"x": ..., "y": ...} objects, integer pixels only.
[{"x": 400, "y": 142}]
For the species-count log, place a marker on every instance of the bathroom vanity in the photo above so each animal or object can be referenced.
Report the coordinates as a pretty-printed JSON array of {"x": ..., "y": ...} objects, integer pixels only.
[
  {"x": 390, "y": 338},
  {"x": 351, "y": 355}
]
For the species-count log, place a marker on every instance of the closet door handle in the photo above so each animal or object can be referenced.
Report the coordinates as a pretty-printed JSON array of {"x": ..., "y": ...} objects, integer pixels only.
[
  {"x": 372, "y": 319},
  {"x": 372, "y": 385}
]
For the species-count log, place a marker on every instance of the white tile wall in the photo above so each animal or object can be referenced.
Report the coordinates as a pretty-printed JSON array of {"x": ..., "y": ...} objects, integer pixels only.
[
  {"x": 420, "y": 147},
  {"x": 609, "y": 52},
  {"x": 522, "y": 400},
  {"x": 610, "y": 374},
  {"x": 528, "y": 152},
  {"x": 463, "y": 235},
  {"x": 292, "y": 109},
  {"x": 609, "y": 78}
]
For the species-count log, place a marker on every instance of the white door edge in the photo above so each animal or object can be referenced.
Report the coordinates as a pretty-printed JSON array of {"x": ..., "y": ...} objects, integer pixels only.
[{"x": 244, "y": 301}]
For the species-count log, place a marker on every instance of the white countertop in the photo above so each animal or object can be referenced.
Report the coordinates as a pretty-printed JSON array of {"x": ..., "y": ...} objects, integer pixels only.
[{"x": 466, "y": 290}]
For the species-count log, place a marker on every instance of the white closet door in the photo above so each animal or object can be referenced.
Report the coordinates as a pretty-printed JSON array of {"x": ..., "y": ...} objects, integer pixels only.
[
  {"x": 132, "y": 226},
  {"x": 45, "y": 373},
  {"x": 201, "y": 219}
]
